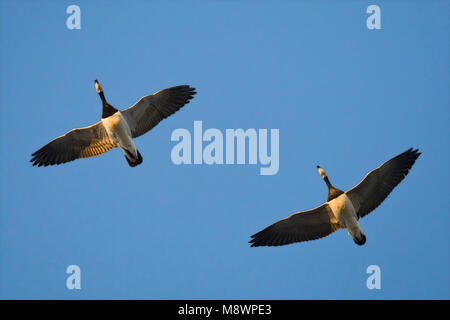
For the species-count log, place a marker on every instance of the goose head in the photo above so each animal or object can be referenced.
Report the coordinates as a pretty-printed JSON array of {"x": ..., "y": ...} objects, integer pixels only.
[
  {"x": 98, "y": 87},
  {"x": 322, "y": 172}
]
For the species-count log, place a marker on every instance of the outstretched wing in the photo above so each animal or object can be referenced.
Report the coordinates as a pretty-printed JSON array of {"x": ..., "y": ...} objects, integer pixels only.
[
  {"x": 379, "y": 183},
  {"x": 151, "y": 109},
  {"x": 77, "y": 143},
  {"x": 300, "y": 226}
]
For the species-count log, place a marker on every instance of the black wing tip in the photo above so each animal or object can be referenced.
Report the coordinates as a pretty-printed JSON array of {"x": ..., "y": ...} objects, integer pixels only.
[
  {"x": 40, "y": 163},
  {"x": 187, "y": 88},
  {"x": 413, "y": 151},
  {"x": 411, "y": 155},
  {"x": 183, "y": 93},
  {"x": 256, "y": 240},
  {"x": 38, "y": 159},
  {"x": 417, "y": 152},
  {"x": 260, "y": 243},
  {"x": 408, "y": 157},
  {"x": 257, "y": 243},
  {"x": 267, "y": 238},
  {"x": 265, "y": 243},
  {"x": 35, "y": 158}
]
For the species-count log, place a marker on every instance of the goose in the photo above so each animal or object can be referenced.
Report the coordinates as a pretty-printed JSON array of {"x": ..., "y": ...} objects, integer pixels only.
[
  {"x": 342, "y": 209},
  {"x": 115, "y": 129}
]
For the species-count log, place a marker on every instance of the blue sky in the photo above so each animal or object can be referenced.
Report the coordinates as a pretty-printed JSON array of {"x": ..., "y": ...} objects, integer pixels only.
[{"x": 342, "y": 96}]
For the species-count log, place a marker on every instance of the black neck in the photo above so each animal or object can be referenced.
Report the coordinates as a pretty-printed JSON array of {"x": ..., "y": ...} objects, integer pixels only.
[
  {"x": 327, "y": 182},
  {"x": 108, "y": 110},
  {"x": 332, "y": 191}
]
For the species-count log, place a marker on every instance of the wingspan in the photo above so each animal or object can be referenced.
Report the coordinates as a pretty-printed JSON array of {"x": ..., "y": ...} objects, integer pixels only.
[
  {"x": 380, "y": 182},
  {"x": 151, "y": 109},
  {"x": 301, "y": 226},
  {"x": 77, "y": 143}
]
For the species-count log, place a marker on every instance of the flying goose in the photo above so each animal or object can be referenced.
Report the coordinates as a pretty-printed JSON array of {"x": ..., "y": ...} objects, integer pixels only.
[
  {"x": 115, "y": 129},
  {"x": 342, "y": 209}
]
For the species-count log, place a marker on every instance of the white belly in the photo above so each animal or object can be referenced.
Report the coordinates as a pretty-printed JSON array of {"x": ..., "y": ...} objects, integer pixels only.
[
  {"x": 119, "y": 131},
  {"x": 344, "y": 211}
]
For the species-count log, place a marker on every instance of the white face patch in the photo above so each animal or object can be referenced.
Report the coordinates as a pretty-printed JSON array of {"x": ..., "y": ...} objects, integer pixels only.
[
  {"x": 322, "y": 173},
  {"x": 98, "y": 87}
]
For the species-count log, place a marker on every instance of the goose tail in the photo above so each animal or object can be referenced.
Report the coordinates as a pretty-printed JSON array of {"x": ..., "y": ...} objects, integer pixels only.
[{"x": 133, "y": 162}]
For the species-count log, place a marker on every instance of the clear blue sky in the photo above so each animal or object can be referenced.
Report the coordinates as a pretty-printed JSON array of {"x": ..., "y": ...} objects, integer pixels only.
[{"x": 344, "y": 97}]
